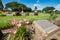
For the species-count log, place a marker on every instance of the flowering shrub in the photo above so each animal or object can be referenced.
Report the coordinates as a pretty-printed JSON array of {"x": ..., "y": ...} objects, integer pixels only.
[
  {"x": 12, "y": 31},
  {"x": 19, "y": 29}
]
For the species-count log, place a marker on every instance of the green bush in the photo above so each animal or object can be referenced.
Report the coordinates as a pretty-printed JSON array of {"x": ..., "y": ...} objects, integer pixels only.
[
  {"x": 52, "y": 16},
  {"x": 2, "y": 14}
]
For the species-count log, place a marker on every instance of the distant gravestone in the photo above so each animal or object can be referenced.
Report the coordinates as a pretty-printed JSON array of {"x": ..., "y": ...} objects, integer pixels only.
[
  {"x": 31, "y": 14},
  {"x": 17, "y": 13},
  {"x": 35, "y": 13},
  {"x": 22, "y": 12},
  {"x": 10, "y": 14}
]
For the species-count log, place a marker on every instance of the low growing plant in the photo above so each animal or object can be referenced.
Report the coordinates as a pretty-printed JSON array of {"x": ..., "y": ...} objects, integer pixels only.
[{"x": 19, "y": 31}]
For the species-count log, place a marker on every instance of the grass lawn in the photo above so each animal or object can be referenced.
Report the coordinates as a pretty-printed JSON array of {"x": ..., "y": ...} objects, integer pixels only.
[{"x": 4, "y": 20}]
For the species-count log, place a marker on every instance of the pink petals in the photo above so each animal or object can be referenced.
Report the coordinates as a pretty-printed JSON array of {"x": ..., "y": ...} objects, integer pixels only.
[
  {"x": 12, "y": 31},
  {"x": 13, "y": 22},
  {"x": 19, "y": 25},
  {"x": 20, "y": 21},
  {"x": 28, "y": 25},
  {"x": 16, "y": 22},
  {"x": 26, "y": 21}
]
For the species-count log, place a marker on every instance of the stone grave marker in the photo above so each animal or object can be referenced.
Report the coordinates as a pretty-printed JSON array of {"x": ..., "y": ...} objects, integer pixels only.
[{"x": 44, "y": 28}]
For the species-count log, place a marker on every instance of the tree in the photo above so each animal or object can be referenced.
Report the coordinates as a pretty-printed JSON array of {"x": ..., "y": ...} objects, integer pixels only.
[
  {"x": 12, "y": 5},
  {"x": 35, "y": 7},
  {"x": 1, "y": 5},
  {"x": 27, "y": 9},
  {"x": 17, "y": 6},
  {"x": 48, "y": 9}
]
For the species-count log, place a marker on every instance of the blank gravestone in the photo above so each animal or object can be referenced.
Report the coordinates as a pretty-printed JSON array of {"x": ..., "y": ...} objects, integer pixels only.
[
  {"x": 57, "y": 21},
  {"x": 43, "y": 28}
]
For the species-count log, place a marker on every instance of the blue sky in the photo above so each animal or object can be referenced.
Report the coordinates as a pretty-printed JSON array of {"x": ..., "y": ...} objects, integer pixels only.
[{"x": 39, "y": 3}]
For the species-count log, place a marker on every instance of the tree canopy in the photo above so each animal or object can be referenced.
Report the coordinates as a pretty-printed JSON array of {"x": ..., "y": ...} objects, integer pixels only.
[
  {"x": 17, "y": 6},
  {"x": 48, "y": 9},
  {"x": 1, "y": 5}
]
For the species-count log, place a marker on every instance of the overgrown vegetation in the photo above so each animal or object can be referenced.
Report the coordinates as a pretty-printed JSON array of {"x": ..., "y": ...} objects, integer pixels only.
[{"x": 19, "y": 31}]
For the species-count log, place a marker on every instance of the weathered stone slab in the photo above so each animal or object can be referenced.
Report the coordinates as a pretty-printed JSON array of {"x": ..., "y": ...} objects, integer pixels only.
[{"x": 44, "y": 28}]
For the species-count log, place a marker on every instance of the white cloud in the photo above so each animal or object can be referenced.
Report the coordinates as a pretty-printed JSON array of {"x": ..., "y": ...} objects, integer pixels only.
[
  {"x": 58, "y": 7},
  {"x": 33, "y": 6},
  {"x": 36, "y": 5}
]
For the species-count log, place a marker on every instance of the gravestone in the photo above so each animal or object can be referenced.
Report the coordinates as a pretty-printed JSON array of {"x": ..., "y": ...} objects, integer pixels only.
[
  {"x": 57, "y": 21},
  {"x": 18, "y": 13},
  {"x": 31, "y": 14},
  {"x": 10, "y": 14},
  {"x": 44, "y": 28},
  {"x": 35, "y": 13},
  {"x": 22, "y": 12}
]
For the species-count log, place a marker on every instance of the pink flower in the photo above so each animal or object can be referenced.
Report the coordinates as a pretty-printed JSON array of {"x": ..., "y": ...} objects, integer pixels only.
[
  {"x": 20, "y": 21},
  {"x": 27, "y": 22},
  {"x": 12, "y": 31},
  {"x": 28, "y": 25},
  {"x": 19, "y": 24},
  {"x": 13, "y": 22}
]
